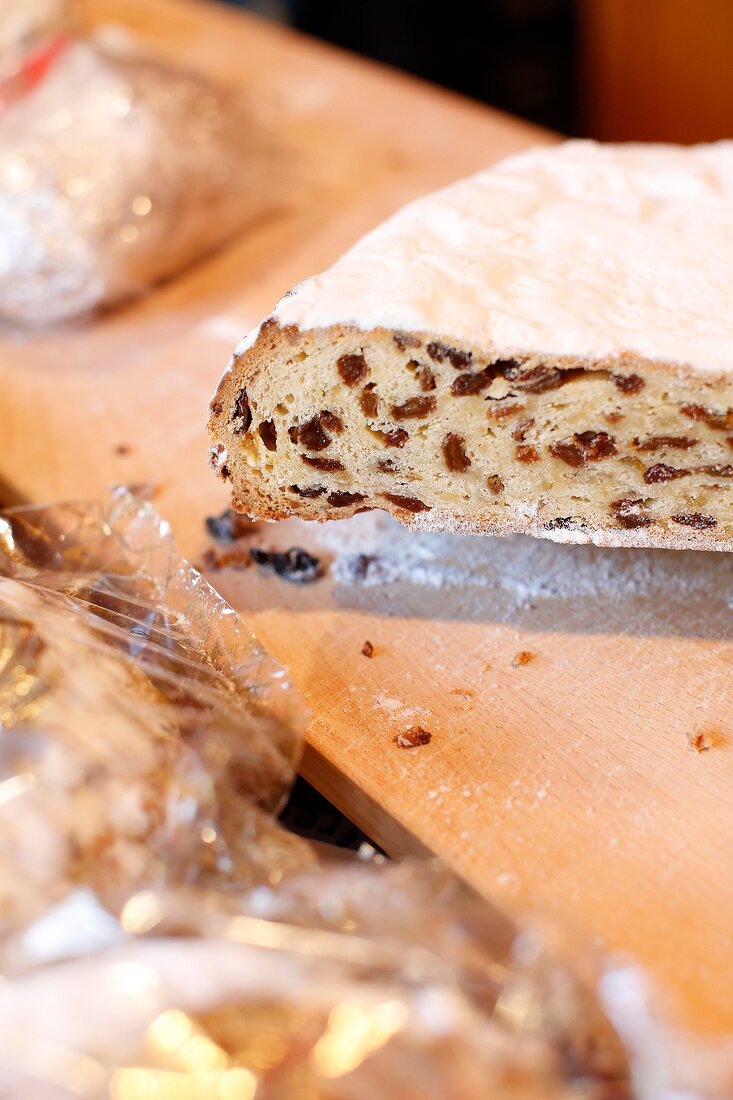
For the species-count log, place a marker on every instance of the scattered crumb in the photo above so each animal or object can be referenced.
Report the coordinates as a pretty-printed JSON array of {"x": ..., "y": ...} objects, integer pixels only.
[
  {"x": 146, "y": 490},
  {"x": 238, "y": 559},
  {"x": 367, "y": 649},
  {"x": 466, "y": 692},
  {"x": 396, "y": 159},
  {"x": 701, "y": 742},
  {"x": 123, "y": 449},
  {"x": 229, "y": 526},
  {"x": 412, "y": 738},
  {"x": 522, "y": 658},
  {"x": 295, "y": 564}
]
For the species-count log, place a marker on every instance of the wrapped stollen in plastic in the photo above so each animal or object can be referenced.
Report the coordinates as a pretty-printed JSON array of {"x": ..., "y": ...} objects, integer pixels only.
[
  {"x": 162, "y": 937},
  {"x": 185, "y": 997},
  {"x": 190, "y": 999},
  {"x": 145, "y": 736},
  {"x": 111, "y": 167},
  {"x": 26, "y": 27}
]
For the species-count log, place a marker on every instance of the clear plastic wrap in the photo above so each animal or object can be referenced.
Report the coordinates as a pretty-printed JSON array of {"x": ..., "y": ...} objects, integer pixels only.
[
  {"x": 325, "y": 1006},
  {"x": 146, "y": 735},
  {"x": 163, "y": 938},
  {"x": 110, "y": 168}
]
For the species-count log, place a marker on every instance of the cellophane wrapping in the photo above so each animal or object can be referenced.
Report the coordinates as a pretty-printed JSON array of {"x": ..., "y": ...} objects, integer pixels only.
[
  {"x": 146, "y": 737},
  {"x": 117, "y": 171},
  {"x": 162, "y": 937}
]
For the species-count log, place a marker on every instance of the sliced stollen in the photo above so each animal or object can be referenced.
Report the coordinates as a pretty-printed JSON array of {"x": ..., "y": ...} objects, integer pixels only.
[{"x": 545, "y": 347}]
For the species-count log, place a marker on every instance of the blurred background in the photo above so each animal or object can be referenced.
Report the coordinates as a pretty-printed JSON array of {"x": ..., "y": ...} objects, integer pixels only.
[{"x": 616, "y": 70}]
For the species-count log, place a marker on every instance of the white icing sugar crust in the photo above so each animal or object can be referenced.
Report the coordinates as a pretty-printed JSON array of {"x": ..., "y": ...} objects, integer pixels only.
[{"x": 578, "y": 249}]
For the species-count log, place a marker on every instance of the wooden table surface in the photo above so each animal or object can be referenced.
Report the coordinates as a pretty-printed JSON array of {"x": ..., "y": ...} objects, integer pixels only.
[{"x": 565, "y": 785}]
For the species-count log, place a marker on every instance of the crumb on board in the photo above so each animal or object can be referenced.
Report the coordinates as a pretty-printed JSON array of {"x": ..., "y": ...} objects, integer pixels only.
[
  {"x": 367, "y": 649},
  {"x": 467, "y": 693},
  {"x": 123, "y": 449},
  {"x": 146, "y": 490},
  {"x": 217, "y": 559},
  {"x": 698, "y": 741},
  {"x": 229, "y": 526},
  {"x": 522, "y": 658},
  {"x": 412, "y": 738},
  {"x": 295, "y": 565}
]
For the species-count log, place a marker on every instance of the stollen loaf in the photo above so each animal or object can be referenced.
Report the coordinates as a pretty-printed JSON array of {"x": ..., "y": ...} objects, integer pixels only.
[{"x": 545, "y": 347}]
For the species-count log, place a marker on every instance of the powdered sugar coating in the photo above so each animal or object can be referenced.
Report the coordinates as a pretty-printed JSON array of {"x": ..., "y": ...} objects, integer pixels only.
[
  {"x": 373, "y": 550},
  {"x": 578, "y": 249}
]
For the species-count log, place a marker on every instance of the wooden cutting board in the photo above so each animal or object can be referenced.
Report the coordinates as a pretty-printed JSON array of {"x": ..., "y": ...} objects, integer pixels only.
[{"x": 563, "y": 782}]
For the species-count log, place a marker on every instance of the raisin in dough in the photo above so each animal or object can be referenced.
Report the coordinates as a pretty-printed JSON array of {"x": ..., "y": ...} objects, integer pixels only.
[{"x": 545, "y": 347}]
